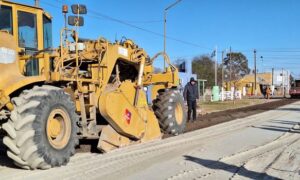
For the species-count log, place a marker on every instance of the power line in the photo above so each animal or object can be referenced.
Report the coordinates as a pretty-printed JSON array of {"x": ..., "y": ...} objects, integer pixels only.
[
  {"x": 143, "y": 22},
  {"x": 274, "y": 57},
  {"x": 146, "y": 30},
  {"x": 273, "y": 51},
  {"x": 280, "y": 55},
  {"x": 98, "y": 15},
  {"x": 262, "y": 51}
]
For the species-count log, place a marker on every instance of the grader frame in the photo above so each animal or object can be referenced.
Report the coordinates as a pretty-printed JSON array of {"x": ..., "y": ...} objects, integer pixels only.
[{"x": 90, "y": 89}]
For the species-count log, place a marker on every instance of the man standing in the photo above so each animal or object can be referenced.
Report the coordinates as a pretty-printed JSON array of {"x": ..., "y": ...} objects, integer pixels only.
[{"x": 190, "y": 95}]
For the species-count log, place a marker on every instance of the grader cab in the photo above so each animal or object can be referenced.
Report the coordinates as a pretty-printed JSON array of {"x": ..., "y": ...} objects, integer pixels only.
[{"x": 84, "y": 89}]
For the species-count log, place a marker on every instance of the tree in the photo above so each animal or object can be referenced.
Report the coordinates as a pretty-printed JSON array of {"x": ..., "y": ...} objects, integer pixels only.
[
  {"x": 236, "y": 66},
  {"x": 204, "y": 67}
]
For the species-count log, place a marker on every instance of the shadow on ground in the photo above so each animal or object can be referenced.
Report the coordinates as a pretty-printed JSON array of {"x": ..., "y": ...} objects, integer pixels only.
[
  {"x": 284, "y": 122},
  {"x": 290, "y": 109},
  {"x": 235, "y": 170},
  {"x": 279, "y": 128}
]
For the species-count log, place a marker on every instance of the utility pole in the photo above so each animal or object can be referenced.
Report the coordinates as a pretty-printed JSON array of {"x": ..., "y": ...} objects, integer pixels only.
[
  {"x": 222, "y": 75},
  {"x": 262, "y": 64},
  {"x": 255, "y": 92},
  {"x": 165, "y": 27},
  {"x": 165, "y": 24},
  {"x": 222, "y": 69},
  {"x": 230, "y": 77},
  {"x": 282, "y": 77},
  {"x": 230, "y": 66},
  {"x": 216, "y": 66},
  {"x": 272, "y": 76}
]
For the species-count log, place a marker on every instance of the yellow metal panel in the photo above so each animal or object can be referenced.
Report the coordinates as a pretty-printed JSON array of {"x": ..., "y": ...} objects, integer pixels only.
[
  {"x": 110, "y": 139},
  {"x": 152, "y": 128},
  {"x": 117, "y": 107}
]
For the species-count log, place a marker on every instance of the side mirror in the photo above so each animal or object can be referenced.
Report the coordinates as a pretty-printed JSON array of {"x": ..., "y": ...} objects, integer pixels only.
[
  {"x": 75, "y": 21},
  {"x": 79, "y": 9}
]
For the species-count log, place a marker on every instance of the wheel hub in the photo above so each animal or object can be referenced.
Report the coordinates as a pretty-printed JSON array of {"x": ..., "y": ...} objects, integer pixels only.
[
  {"x": 178, "y": 113},
  {"x": 58, "y": 128},
  {"x": 54, "y": 127}
]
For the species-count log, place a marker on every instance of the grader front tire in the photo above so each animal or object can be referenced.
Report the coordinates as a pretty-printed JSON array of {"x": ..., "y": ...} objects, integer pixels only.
[
  {"x": 41, "y": 132},
  {"x": 169, "y": 109}
]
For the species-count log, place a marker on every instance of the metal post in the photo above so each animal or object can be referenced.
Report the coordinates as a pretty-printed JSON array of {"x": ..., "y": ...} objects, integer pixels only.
[
  {"x": 230, "y": 67},
  {"x": 288, "y": 81},
  {"x": 272, "y": 76},
  {"x": 165, "y": 26},
  {"x": 203, "y": 90},
  {"x": 139, "y": 85},
  {"x": 199, "y": 86},
  {"x": 216, "y": 66},
  {"x": 282, "y": 83},
  {"x": 222, "y": 74},
  {"x": 222, "y": 68},
  {"x": 255, "y": 92}
]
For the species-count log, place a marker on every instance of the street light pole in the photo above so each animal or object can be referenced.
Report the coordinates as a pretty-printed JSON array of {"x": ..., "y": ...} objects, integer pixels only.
[
  {"x": 222, "y": 75},
  {"x": 230, "y": 68},
  {"x": 255, "y": 92},
  {"x": 165, "y": 27},
  {"x": 282, "y": 82},
  {"x": 216, "y": 66},
  {"x": 222, "y": 69}
]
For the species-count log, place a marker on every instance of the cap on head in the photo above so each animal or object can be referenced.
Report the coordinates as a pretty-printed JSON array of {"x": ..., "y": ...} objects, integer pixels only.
[{"x": 192, "y": 79}]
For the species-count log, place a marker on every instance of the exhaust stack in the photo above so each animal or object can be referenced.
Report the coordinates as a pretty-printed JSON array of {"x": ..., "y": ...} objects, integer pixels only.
[{"x": 37, "y": 3}]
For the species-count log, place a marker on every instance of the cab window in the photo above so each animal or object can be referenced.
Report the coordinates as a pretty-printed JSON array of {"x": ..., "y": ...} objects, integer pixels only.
[
  {"x": 6, "y": 19},
  {"x": 47, "y": 32},
  {"x": 27, "y": 27}
]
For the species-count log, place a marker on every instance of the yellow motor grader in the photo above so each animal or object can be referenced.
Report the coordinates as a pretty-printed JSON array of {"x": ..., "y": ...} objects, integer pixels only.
[{"x": 84, "y": 89}]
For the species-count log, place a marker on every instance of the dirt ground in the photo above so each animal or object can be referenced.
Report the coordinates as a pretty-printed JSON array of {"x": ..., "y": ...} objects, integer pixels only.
[
  {"x": 247, "y": 107},
  {"x": 219, "y": 116},
  {"x": 209, "y": 107}
]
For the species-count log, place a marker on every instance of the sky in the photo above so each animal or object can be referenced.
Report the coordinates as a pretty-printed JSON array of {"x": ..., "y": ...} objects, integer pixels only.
[{"x": 196, "y": 27}]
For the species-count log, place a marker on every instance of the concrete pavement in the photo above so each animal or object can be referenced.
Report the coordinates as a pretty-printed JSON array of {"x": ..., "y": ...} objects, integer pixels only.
[{"x": 262, "y": 146}]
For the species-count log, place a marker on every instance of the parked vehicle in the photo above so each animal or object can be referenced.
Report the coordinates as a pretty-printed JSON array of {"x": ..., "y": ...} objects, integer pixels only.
[{"x": 295, "y": 89}]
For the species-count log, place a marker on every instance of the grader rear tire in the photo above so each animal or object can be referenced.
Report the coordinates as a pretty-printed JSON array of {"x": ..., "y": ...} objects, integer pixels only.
[
  {"x": 41, "y": 132},
  {"x": 169, "y": 109}
]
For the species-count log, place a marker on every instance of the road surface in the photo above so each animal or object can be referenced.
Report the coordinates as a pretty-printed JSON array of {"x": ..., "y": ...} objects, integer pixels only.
[{"x": 262, "y": 146}]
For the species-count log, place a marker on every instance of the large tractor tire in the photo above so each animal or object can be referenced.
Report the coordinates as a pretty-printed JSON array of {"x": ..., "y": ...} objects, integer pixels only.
[
  {"x": 42, "y": 130},
  {"x": 169, "y": 109}
]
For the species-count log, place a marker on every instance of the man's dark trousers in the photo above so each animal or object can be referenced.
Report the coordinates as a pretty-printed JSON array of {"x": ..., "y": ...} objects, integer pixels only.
[{"x": 192, "y": 106}]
